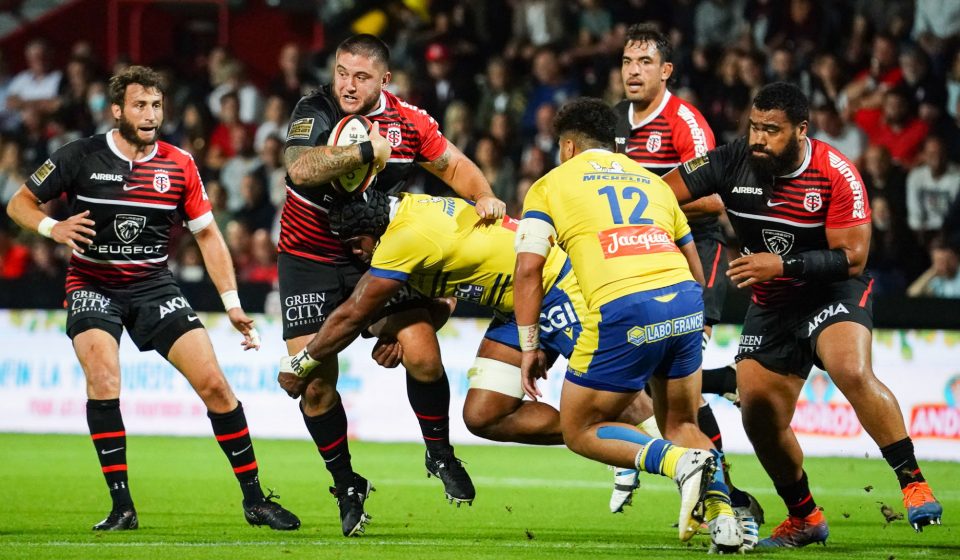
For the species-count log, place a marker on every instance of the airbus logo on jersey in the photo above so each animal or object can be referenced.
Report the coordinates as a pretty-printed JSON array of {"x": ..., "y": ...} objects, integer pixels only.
[
  {"x": 128, "y": 226},
  {"x": 172, "y": 305},
  {"x": 747, "y": 190},
  {"x": 856, "y": 188},
  {"x": 558, "y": 317},
  {"x": 819, "y": 318},
  {"x": 779, "y": 242},
  {"x": 106, "y": 177},
  {"x": 161, "y": 182},
  {"x": 654, "y": 141}
]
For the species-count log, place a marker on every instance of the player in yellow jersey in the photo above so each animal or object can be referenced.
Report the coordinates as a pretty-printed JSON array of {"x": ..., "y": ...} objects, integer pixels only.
[
  {"x": 439, "y": 247},
  {"x": 633, "y": 254}
]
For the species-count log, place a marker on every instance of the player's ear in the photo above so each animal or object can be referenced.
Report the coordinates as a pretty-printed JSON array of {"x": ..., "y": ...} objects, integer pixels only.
[
  {"x": 666, "y": 70},
  {"x": 116, "y": 110},
  {"x": 802, "y": 129},
  {"x": 386, "y": 78}
]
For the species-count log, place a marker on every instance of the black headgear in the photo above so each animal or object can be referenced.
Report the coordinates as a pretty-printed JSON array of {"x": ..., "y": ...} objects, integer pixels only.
[{"x": 367, "y": 213}]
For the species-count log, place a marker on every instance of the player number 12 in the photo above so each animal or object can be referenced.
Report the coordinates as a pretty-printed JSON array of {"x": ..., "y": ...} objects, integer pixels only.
[{"x": 628, "y": 194}]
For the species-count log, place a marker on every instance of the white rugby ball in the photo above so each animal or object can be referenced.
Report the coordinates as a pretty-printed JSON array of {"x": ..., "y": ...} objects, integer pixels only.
[{"x": 353, "y": 129}]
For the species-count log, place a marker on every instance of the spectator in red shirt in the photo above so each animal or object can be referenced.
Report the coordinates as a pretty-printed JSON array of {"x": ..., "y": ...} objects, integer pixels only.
[
  {"x": 14, "y": 257},
  {"x": 894, "y": 127}
]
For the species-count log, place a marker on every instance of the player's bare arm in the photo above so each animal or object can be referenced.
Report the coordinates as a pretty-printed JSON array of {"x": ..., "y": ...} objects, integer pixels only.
[
  {"x": 338, "y": 331},
  {"x": 528, "y": 298},
  {"x": 24, "y": 209},
  {"x": 689, "y": 251},
  {"x": 679, "y": 188},
  {"x": 855, "y": 243},
  {"x": 703, "y": 207},
  {"x": 219, "y": 265},
  {"x": 465, "y": 178}
]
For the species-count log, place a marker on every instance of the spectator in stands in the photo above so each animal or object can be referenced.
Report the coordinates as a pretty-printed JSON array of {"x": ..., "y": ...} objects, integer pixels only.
[
  {"x": 272, "y": 169},
  {"x": 218, "y": 203},
  {"x": 867, "y": 89},
  {"x": 101, "y": 117},
  {"x": 263, "y": 259},
  {"x": 8, "y": 116},
  {"x": 884, "y": 178},
  {"x": 222, "y": 146},
  {"x": 931, "y": 189},
  {"x": 502, "y": 130},
  {"x": 189, "y": 262},
  {"x": 498, "y": 170},
  {"x": 294, "y": 80},
  {"x": 926, "y": 91},
  {"x": 783, "y": 68},
  {"x": 828, "y": 79},
  {"x": 238, "y": 166},
  {"x": 458, "y": 128},
  {"x": 935, "y": 23},
  {"x": 45, "y": 265},
  {"x": 543, "y": 139},
  {"x": 551, "y": 85},
  {"x": 256, "y": 210},
  {"x": 801, "y": 26},
  {"x": 894, "y": 126},
  {"x": 72, "y": 108},
  {"x": 895, "y": 256},
  {"x": 498, "y": 94},
  {"x": 274, "y": 123},
  {"x": 14, "y": 257},
  {"x": 942, "y": 279},
  {"x": 11, "y": 169},
  {"x": 233, "y": 79},
  {"x": 239, "y": 237},
  {"x": 443, "y": 84},
  {"x": 718, "y": 22},
  {"x": 536, "y": 23},
  {"x": 35, "y": 88},
  {"x": 832, "y": 129}
]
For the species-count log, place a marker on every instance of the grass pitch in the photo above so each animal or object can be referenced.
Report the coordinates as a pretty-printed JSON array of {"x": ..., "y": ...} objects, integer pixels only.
[{"x": 532, "y": 503}]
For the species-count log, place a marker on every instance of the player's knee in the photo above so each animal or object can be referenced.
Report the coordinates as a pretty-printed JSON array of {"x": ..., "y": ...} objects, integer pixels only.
[
  {"x": 214, "y": 391},
  {"x": 480, "y": 420},
  {"x": 425, "y": 368},
  {"x": 102, "y": 383},
  {"x": 319, "y": 395}
]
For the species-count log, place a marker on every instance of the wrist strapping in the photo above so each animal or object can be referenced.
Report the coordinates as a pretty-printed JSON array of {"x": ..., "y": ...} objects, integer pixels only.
[
  {"x": 829, "y": 265},
  {"x": 529, "y": 337},
  {"x": 366, "y": 152},
  {"x": 302, "y": 364},
  {"x": 230, "y": 299},
  {"x": 45, "y": 227}
]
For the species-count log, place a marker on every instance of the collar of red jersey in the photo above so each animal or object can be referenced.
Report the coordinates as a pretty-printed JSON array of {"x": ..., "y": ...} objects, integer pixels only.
[
  {"x": 804, "y": 165},
  {"x": 649, "y": 118},
  {"x": 381, "y": 107},
  {"x": 119, "y": 154}
]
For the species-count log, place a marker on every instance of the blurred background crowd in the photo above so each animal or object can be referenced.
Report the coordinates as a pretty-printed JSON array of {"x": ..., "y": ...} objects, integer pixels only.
[{"x": 883, "y": 77}]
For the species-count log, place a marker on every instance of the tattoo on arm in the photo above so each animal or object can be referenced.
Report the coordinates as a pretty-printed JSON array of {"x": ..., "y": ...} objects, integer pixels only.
[
  {"x": 440, "y": 164},
  {"x": 320, "y": 164}
]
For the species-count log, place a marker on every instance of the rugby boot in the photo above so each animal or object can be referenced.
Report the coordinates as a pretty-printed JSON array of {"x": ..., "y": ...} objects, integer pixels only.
[
  {"x": 748, "y": 526},
  {"x": 745, "y": 500},
  {"x": 922, "y": 508},
  {"x": 694, "y": 471},
  {"x": 795, "y": 532},
  {"x": 271, "y": 514},
  {"x": 350, "y": 499},
  {"x": 119, "y": 520},
  {"x": 625, "y": 481},
  {"x": 726, "y": 534},
  {"x": 457, "y": 485}
]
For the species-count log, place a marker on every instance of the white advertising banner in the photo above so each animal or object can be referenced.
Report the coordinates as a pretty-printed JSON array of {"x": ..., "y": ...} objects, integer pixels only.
[{"x": 42, "y": 388}]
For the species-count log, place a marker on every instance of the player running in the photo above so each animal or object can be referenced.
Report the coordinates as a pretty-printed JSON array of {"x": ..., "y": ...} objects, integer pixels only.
[
  {"x": 633, "y": 254},
  {"x": 800, "y": 211}
]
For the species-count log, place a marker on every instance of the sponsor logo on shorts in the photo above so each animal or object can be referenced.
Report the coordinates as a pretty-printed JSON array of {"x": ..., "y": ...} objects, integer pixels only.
[
  {"x": 42, "y": 172},
  {"x": 665, "y": 329},
  {"x": 394, "y": 135},
  {"x": 300, "y": 129},
  {"x": 749, "y": 343},
  {"x": 654, "y": 142},
  {"x": 161, "y": 182},
  {"x": 128, "y": 226},
  {"x": 85, "y": 300},
  {"x": 576, "y": 372},
  {"x": 172, "y": 305},
  {"x": 302, "y": 309},
  {"x": 778, "y": 242},
  {"x": 939, "y": 420},
  {"x": 696, "y": 163},
  {"x": 558, "y": 317},
  {"x": 818, "y": 415},
  {"x": 635, "y": 240},
  {"x": 819, "y": 318}
]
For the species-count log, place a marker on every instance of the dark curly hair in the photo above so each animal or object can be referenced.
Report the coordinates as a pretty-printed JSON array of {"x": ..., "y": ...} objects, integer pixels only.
[
  {"x": 367, "y": 213},
  {"x": 146, "y": 77},
  {"x": 589, "y": 118},
  {"x": 785, "y": 97}
]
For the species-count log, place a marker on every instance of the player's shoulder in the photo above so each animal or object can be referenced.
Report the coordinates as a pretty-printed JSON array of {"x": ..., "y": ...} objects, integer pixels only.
[
  {"x": 318, "y": 102},
  {"x": 622, "y": 109},
  {"x": 168, "y": 151},
  {"x": 404, "y": 108},
  {"x": 678, "y": 106},
  {"x": 826, "y": 157},
  {"x": 83, "y": 147}
]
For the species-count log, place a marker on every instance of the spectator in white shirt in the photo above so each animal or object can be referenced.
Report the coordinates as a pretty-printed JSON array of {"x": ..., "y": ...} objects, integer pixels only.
[
  {"x": 931, "y": 188},
  {"x": 36, "y": 87},
  {"x": 846, "y": 137}
]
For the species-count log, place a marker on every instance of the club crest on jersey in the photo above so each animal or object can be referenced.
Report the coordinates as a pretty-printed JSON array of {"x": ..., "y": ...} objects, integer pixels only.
[
  {"x": 161, "y": 182},
  {"x": 128, "y": 226},
  {"x": 394, "y": 136},
  {"x": 779, "y": 242},
  {"x": 812, "y": 201},
  {"x": 654, "y": 141}
]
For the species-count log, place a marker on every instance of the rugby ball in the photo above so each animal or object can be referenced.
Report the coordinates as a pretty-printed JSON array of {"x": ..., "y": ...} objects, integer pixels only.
[{"x": 353, "y": 129}]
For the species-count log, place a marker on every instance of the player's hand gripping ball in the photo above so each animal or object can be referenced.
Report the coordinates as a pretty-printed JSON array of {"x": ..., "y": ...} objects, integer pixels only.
[{"x": 353, "y": 129}]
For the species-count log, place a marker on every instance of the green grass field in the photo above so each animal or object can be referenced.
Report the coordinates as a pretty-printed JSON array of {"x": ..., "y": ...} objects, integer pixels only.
[{"x": 532, "y": 503}]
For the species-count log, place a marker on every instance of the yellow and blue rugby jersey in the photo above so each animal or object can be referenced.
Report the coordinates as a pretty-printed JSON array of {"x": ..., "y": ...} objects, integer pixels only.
[
  {"x": 620, "y": 224},
  {"x": 441, "y": 248}
]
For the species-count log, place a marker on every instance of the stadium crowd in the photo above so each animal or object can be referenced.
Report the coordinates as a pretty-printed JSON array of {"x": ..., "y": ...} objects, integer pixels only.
[{"x": 883, "y": 77}]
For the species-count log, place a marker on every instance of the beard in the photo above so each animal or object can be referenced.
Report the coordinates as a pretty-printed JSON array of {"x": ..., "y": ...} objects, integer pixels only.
[
  {"x": 775, "y": 165},
  {"x": 129, "y": 132}
]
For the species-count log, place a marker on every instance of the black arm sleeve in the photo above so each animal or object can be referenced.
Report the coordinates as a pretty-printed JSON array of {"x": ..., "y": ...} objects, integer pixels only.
[
  {"x": 827, "y": 265},
  {"x": 312, "y": 120},
  {"x": 709, "y": 173}
]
